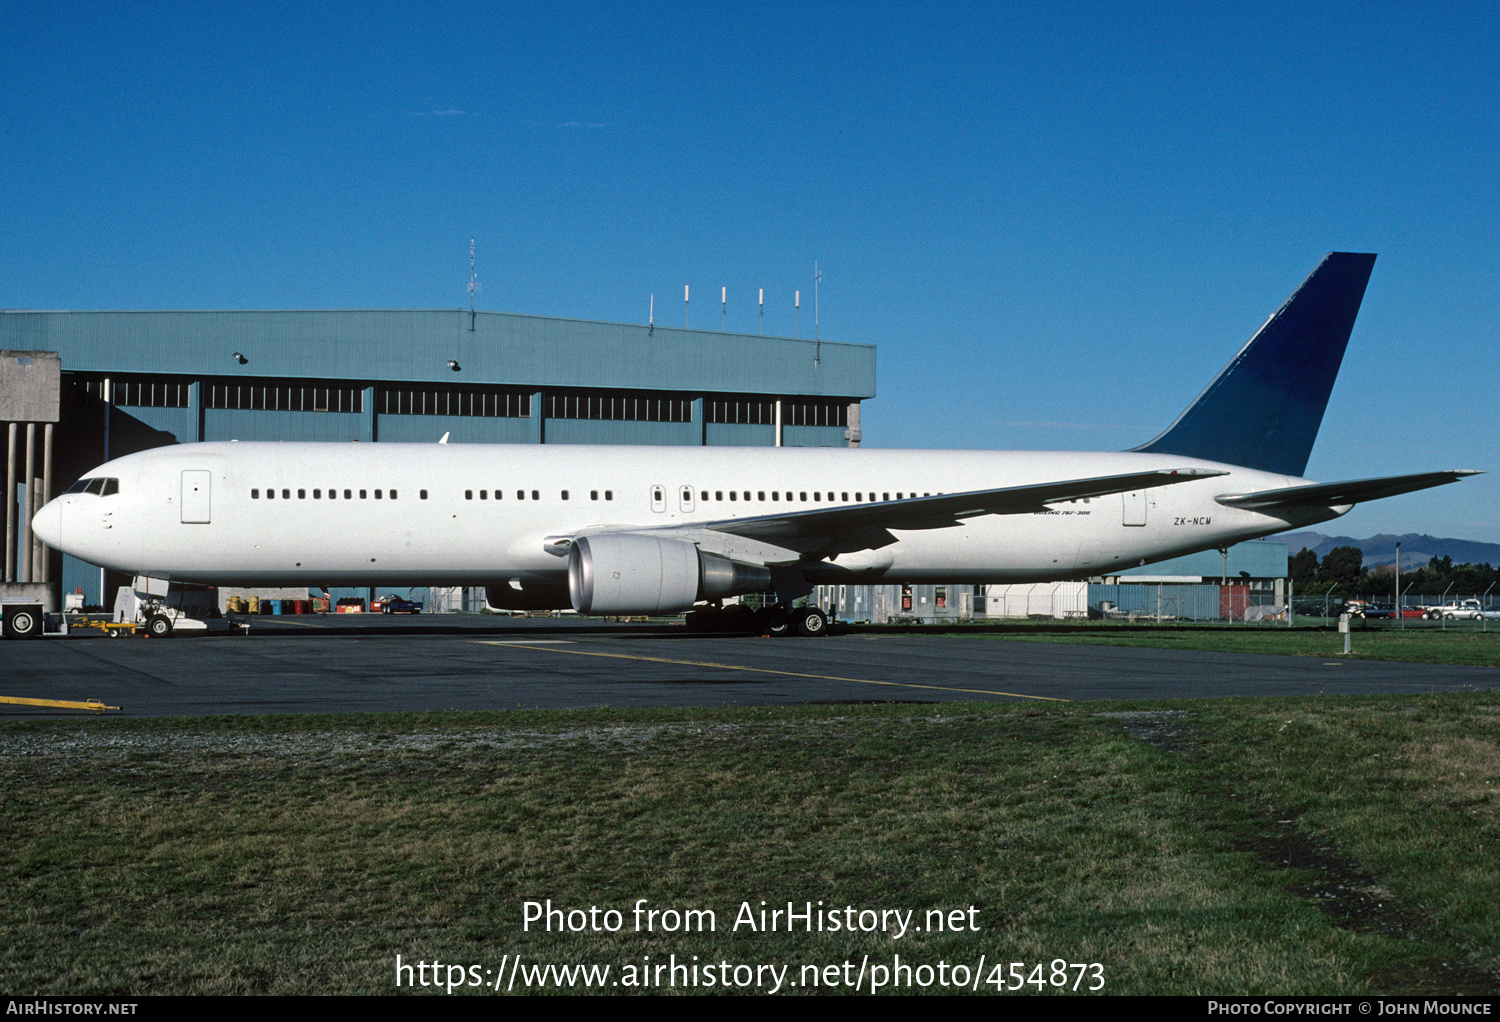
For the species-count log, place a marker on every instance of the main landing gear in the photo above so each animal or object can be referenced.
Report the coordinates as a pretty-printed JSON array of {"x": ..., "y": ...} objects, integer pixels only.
[{"x": 774, "y": 621}]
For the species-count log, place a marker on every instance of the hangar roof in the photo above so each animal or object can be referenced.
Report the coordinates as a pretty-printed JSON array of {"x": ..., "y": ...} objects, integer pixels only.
[{"x": 416, "y": 345}]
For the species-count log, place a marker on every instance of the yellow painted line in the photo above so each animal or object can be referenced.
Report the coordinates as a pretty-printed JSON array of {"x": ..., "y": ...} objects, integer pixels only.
[
  {"x": 788, "y": 674},
  {"x": 61, "y": 704},
  {"x": 529, "y": 642}
]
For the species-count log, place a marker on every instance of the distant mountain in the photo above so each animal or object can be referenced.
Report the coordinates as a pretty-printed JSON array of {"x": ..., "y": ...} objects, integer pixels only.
[{"x": 1416, "y": 548}]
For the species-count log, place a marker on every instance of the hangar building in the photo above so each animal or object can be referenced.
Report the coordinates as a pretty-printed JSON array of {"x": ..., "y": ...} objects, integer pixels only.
[{"x": 136, "y": 380}]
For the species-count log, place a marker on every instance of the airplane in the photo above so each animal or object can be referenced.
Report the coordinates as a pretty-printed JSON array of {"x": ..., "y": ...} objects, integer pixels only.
[{"x": 659, "y": 530}]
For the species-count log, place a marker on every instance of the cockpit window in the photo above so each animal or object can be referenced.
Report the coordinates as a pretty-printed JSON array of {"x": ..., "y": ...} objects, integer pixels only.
[{"x": 100, "y": 486}]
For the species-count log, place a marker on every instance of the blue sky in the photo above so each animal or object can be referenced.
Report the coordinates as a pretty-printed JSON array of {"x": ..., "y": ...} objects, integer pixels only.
[{"x": 1056, "y": 222}]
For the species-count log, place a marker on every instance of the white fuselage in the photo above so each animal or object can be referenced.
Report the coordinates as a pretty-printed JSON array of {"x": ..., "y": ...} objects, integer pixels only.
[{"x": 165, "y": 522}]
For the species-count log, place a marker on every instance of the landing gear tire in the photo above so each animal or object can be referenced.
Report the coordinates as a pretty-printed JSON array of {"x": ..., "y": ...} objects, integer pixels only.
[
  {"x": 158, "y": 626},
  {"x": 773, "y": 621},
  {"x": 810, "y": 622},
  {"x": 22, "y": 624}
]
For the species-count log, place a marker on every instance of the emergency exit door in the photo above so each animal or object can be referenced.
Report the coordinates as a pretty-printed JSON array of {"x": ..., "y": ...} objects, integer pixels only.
[{"x": 196, "y": 505}]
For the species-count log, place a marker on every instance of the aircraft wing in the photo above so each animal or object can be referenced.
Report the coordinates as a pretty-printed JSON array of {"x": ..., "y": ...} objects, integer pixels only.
[
  {"x": 948, "y": 509},
  {"x": 1350, "y": 491}
]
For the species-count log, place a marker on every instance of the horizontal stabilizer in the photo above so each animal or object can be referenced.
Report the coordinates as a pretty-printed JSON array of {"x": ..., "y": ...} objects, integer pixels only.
[
  {"x": 1350, "y": 491},
  {"x": 947, "y": 509}
]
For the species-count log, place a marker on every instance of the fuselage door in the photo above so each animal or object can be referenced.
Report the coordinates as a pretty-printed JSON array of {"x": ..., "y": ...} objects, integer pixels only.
[
  {"x": 658, "y": 498},
  {"x": 1135, "y": 507},
  {"x": 196, "y": 505},
  {"x": 686, "y": 494}
]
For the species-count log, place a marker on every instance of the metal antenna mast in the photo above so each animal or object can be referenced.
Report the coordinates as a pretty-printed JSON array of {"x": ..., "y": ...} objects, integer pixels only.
[
  {"x": 473, "y": 285},
  {"x": 817, "y": 341}
]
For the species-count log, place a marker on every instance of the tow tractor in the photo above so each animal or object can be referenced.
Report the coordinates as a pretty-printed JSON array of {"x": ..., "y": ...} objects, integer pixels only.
[{"x": 149, "y": 606}]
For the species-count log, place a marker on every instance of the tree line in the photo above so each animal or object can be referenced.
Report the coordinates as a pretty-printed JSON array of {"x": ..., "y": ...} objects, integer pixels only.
[{"x": 1344, "y": 567}]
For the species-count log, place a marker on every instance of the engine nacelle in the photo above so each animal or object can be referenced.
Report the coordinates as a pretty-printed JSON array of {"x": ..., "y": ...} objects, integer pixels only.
[{"x": 637, "y": 573}]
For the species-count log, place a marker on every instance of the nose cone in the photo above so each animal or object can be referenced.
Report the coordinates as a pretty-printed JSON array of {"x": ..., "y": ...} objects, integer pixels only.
[{"x": 47, "y": 525}]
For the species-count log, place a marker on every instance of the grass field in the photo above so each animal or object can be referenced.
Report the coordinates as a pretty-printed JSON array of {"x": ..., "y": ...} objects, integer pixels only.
[{"x": 1328, "y": 845}]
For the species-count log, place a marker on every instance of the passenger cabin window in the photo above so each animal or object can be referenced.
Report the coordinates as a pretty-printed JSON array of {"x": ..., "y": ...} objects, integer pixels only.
[
  {"x": 254, "y": 494},
  {"x": 564, "y": 494},
  {"x": 421, "y": 494},
  {"x": 609, "y": 494},
  {"x": 301, "y": 494},
  {"x": 317, "y": 494},
  {"x": 536, "y": 495}
]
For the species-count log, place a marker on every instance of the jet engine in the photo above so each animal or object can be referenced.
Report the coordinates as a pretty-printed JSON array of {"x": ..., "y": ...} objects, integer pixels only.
[{"x": 635, "y": 573}]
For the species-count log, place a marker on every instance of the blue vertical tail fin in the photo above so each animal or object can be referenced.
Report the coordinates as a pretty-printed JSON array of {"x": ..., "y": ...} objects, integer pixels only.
[{"x": 1264, "y": 408}]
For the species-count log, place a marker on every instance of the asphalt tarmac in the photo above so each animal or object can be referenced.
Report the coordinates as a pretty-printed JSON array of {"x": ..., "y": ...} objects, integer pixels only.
[{"x": 382, "y": 664}]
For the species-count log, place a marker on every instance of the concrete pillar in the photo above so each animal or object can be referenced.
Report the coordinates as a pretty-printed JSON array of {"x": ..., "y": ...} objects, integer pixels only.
[
  {"x": 26, "y": 511},
  {"x": 700, "y": 417},
  {"x": 538, "y": 417},
  {"x": 195, "y": 413},
  {"x": 778, "y": 422},
  {"x": 38, "y": 551},
  {"x": 10, "y": 504},
  {"x": 371, "y": 427},
  {"x": 44, "y": 555}
]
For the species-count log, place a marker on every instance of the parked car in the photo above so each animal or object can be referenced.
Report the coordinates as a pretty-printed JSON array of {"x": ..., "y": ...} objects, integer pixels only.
[
  {"x": 1375, "y": 611},
  {"x": 393, "y": 604},
  {"x": 1466, "y": 609}
]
